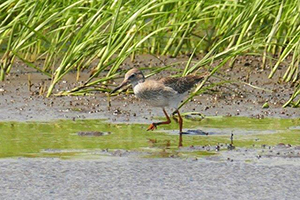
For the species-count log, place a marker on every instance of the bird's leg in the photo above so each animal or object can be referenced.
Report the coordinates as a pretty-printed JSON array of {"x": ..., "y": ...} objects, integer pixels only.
[
  {"x": 154, "y": 125},
  {"x": 180, "y": 128}
]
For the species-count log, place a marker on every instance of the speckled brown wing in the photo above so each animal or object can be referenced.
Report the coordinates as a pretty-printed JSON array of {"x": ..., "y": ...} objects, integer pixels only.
[{"x": 181, "y": 84}]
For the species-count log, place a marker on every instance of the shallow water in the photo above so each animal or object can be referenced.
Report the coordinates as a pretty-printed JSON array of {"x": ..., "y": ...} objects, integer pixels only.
[{"x": 97, "y": 138}]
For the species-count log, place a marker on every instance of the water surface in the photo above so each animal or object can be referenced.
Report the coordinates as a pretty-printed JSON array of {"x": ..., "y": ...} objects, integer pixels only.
[{"x": 64, "y": 138}]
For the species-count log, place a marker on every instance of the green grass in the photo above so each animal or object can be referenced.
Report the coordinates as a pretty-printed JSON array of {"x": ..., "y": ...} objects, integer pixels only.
[{"x": 69, "y": 35}]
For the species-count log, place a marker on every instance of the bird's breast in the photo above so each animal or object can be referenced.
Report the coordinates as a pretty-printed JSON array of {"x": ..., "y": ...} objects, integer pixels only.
[
  {"x": 155, "y": 93},
  {"x": 146, "y": 90}
]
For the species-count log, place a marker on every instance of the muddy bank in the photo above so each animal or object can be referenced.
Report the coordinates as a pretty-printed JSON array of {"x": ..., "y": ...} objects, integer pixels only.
[{"x": 21, "y": 100}]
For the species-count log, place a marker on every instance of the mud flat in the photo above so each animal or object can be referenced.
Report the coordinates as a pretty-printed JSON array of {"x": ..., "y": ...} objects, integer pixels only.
[
  {"x": 128, "y": 178},
  {"x": 19, "y": 102}
]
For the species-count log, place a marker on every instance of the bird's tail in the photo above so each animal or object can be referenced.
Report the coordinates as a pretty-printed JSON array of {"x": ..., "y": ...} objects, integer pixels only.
[{"x": 199, "y": 78}]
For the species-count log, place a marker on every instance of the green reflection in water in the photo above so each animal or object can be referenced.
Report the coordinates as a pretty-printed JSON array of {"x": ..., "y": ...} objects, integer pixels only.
[{"x": 37, "y": 139}]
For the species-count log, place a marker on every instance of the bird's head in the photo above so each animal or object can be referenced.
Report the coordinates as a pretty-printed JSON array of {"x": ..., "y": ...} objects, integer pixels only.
[{"x": 133, "y": 77}]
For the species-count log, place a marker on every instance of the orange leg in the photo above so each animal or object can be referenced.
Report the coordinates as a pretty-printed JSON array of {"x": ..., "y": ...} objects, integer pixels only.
[
  {"x": 180, "y": 129},
  {"x": 154, "y": 125}
]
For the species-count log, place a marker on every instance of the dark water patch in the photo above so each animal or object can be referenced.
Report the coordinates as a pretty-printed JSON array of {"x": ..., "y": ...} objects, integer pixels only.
[
  {"x": 92, "y": 133},
  {"x": 223, "y": 131},
  {"x": 195, "y": 132}
]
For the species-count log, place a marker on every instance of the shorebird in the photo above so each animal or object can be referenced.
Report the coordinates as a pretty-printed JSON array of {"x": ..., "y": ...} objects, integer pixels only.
[{"x": 166, "y": 92}]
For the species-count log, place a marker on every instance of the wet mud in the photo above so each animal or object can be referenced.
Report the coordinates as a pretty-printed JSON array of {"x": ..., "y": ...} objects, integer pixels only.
[{"x": 23, "y": 95}]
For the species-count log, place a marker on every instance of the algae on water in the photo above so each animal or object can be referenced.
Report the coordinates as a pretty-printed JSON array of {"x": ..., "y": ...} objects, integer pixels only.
[{"x": 61, "y": 139}]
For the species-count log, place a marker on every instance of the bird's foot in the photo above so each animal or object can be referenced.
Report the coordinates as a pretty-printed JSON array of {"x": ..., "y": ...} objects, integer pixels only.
[{"x": 152, "y": 127}]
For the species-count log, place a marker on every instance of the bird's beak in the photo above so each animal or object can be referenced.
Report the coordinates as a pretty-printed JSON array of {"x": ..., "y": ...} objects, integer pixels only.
[{"x": 124, "y": 83}]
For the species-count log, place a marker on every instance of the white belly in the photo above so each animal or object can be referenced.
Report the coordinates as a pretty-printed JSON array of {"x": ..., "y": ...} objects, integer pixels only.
[{"x": 158, "y": 95}]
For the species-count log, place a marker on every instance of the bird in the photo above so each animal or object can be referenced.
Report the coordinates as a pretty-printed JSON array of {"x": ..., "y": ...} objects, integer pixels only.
[{"x": 165, "y": 92}]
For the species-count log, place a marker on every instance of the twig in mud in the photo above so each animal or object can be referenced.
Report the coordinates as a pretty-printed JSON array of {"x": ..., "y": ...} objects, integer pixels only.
[
  {"x": 231, "y": 147},
  {"x": 43, "y": 89},
  {"x": 108, "y": 102},
  {"x": 29, "y": 83}
]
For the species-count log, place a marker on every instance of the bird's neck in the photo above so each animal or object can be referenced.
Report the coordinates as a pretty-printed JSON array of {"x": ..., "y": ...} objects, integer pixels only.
[{"x": 137, "y": 82}]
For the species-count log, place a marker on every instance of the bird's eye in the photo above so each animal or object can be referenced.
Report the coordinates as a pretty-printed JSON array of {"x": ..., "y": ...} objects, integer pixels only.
[{"x": 131, "y": 76}]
